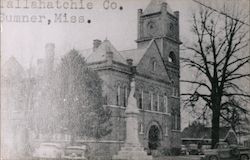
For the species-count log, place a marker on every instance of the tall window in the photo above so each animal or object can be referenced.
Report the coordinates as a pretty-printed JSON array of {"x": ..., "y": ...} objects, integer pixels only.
[
  {"x": 175, "y": 92},
  {"x": 166, "y": 132},
  {"x": 147, "y": 100},
  {"x": 176, "y": 121},
  {"x": 173, "y": 120},
  {"x": 125, "y": 98},
  {"x": 155, "y": 102},
  {"x": 141, "y": 129},
  {"x": 158, "y": 102},
  {"x": 151, "y": 100},
  {"x": 154, "y": 65},
  {"x": 140, "y": 102},
  {"x": 118, "y": 96},
  {"x": 166, "y": 103}
]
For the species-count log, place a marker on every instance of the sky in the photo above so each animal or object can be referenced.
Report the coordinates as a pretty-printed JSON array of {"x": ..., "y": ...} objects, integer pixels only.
[{"x": 26, "y": 41}]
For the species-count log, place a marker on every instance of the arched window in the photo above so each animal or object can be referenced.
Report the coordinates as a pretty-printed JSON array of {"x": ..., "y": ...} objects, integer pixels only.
[
  {"x": 140, "y": 101},
  {"x": 171, "y": 57},
  {"x": 158, "y": 102},
  {"x": 151, "y": 100},
  {"x": 141, "y": 129},
  {"x": 166, "y": 132},
  {"x": 118, "y": 96},
  {"x": 173, "y": 120},
  {"x": 166, "y": 103},
  {"x": 125, "y": 98},
  {"x": 154, "y": 64},
  {"x": 176, "y": 121}
]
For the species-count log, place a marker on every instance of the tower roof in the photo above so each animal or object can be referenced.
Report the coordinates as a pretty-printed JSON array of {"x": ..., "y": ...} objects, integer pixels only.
[{"x": 155, "y": 6}]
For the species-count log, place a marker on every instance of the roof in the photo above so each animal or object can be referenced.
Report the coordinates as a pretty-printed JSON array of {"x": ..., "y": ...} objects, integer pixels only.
[
  {"x": 86, "y": 52},
  {"x": 100, "y": 53},
  {"x": 134, "y": 54},
  {"x": 12, "y": 68},
  {"x": 155, "y": 6},
  {"x": 203, "y": 132}
]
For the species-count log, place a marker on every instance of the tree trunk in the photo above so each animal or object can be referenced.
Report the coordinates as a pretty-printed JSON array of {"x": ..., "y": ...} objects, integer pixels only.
[{"x": 215, "y": 127}]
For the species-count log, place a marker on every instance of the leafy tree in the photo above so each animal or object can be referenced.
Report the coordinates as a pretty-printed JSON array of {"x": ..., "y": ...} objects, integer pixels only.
[
  {"x": 79, "y": 98},
  {"x": 217, "y": 55}
]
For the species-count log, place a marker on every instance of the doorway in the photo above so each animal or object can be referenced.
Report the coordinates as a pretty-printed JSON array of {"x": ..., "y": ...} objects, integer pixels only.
[{"x": 153, "y": 137}]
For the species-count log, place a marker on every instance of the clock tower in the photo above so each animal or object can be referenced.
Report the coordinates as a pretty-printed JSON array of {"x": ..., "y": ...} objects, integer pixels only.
[{"x": 159, "y": 22}]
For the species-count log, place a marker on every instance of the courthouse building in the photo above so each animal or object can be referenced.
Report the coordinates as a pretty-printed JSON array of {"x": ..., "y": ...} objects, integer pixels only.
[{"x": 155, "y": 66}]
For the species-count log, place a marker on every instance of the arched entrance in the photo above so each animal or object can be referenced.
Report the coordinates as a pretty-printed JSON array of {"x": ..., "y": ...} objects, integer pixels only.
[{"x": 153, "y": 137}]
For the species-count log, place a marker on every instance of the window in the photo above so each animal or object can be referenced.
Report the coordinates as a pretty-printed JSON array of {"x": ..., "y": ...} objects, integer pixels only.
[
  {"x": 141, "y": 130},
  {"x": 125, "y": 98},
  {"x": 166, "y": 132},
  {"x": 140, "y": 102},
  {"x": 173, "y": 120},
  {"x": 171, "y": 57},
  {"x": 147, "y": 100},
  {"x": 118, "y": 96},
  {"x": 166, "y": 103},
  {"x": 155, "y": 102},
  {"x": 175, "y": 92},
  {"x": 176, "y": 121},
  {"x": 151, "y": 100},
  {"x": 162, "y": 108},
  {"x": 154, "y": 65},
  {"x": 158, "y": 102}
]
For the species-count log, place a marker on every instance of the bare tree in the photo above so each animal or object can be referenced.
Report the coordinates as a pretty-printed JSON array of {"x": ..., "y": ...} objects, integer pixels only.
[{"x": 217, "y": 55}]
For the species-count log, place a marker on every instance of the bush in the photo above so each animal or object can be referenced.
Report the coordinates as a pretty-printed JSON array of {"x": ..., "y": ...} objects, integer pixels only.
[
  {"x": 170, "y": 151},
  {"x": 165, "y": 151},
  {"x": 175, "y": 151}
]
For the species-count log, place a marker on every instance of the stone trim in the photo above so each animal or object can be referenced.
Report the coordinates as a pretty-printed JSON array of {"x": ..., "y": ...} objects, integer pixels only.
[
  {"x": 115, "y": 106},
  {"x": 141, "y": 110},
  {"x": 157, "y": 112}
]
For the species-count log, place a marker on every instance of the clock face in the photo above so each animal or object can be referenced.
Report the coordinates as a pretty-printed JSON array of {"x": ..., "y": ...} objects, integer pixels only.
[{"x": 152, "y": 28}]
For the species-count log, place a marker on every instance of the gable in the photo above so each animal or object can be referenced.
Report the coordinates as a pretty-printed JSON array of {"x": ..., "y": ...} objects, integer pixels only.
[{"x": 151, "y": 64}]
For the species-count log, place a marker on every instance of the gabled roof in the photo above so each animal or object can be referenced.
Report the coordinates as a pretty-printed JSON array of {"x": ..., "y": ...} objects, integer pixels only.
[
  {"x": 12, "y": 68},
  {"x": 100, "y": 53},
  {"x": 155, "y": 6},
  {"x": 134, "y": 54}
]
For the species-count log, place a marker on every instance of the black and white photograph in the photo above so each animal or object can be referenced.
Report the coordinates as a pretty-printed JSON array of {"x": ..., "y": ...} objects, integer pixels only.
[{"x": 125, "y": 79}]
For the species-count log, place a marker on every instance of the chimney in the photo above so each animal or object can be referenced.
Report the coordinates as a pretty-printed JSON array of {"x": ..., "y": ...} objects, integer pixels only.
[
  {"x": 130, "y": 61},
  {"x": 96, "y": 44}
]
